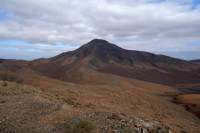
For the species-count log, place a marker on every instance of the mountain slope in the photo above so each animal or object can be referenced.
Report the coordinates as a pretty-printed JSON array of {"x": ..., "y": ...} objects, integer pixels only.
[
  {"x": 196, "y": 61},
  {"x": 44, "y": 104},
  {"x": 2, "y": 60},
  {"x": 98, "y": 56}
]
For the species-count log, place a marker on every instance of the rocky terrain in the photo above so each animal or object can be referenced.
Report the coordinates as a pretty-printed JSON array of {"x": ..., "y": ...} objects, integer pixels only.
[
  {"x": 101, "y": 88},
  {"x": 25, "y": 108}
]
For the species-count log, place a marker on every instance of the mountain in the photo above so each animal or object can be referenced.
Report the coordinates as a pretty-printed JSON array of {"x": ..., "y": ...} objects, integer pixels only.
[
  {"x": 107, "y": 89},
  {"x": 196, "y": 61},
  {"x": 3, "y": 60},
  {"x": 100, "y": 56}
]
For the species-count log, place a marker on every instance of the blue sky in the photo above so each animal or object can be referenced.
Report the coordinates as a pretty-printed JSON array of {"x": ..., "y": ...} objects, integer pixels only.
[
  {"x": 36, "y": 29},
  {"x": 195, "y": 3},
  {"x": 3, "y": 15}
]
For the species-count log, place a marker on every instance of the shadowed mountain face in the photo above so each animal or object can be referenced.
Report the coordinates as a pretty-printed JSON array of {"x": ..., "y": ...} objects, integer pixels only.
[
  {"x": 196, "y": 61},
  {"x": 1, "y": 60},
  {"x": 46, "y": 105},
  {"x": 102, "y": 56}
]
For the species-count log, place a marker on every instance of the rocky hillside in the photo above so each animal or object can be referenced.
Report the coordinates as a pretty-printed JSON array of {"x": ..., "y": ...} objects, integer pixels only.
[
  {"x": 103, "y": 95},
  {"x": 102, "y": 56}
]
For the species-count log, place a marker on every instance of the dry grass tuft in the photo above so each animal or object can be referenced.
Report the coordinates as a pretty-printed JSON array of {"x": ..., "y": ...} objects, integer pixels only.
[
  {"x": 9, "y": 76},
  {"x": 81, "y": 126}
]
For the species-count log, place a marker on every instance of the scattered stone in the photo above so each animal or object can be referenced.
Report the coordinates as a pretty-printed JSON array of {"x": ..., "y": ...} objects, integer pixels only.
[
  {"x": 162, "y": 130},
  {"x": 114, "y": 123}
]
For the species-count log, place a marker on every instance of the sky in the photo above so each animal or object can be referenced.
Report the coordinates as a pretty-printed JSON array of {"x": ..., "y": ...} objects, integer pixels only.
[{"x": 31, "y": 29}]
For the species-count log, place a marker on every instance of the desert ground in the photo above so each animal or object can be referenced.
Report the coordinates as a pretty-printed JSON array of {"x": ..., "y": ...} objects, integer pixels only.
[
  {"x": 96, "y": 89},
  {"x": 44, "y": 105}
]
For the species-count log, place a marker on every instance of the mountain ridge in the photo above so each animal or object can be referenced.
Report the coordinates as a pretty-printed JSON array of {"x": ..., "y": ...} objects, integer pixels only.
[
  {"x": 101, "y": 44},
  {"x": 102, "y": 77},
  {"x": 104, "y": 57},
  {"x": 195, "y": 61}
]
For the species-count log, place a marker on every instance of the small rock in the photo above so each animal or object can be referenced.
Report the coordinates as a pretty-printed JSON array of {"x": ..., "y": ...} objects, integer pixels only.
[
  {"x": 163, "y": 130},
  {"x": 148, "y": 125},
  {"x": 144, "y": 130}
]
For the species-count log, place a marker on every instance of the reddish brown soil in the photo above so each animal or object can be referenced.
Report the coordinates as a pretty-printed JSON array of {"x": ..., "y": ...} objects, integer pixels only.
[
  {"x": 73, "y": 83},
  {"x": 191, "y": 102}
]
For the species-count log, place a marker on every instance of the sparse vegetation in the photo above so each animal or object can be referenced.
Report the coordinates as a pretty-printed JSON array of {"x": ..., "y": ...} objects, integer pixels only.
[
  {"x": 161, "y": 130},
  {"x": 81, "y": 126},
  {"x": 84, "y": 127},
  {"x": 129, "y": 130},
  {"x": 102, "y": 88},
  {"x": 2, "y": 101},
  {"x": 4, "y": 84},
  {"x": 69, "y": 101},
  {"x": 9, "y": 76},
  {"x": 19, "y": 81}
]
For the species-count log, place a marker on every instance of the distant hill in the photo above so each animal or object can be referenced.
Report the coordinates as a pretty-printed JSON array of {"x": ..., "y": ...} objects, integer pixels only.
[
  {"x": 100, "y": 56},
  {"x": 103, "y": 84},
  {"x": 2, "y": 60},
  {"x": 196, "y": 61}
]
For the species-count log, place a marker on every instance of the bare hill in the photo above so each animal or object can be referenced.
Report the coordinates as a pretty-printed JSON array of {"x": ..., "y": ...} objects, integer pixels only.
[{"x": 102, "y": 56}]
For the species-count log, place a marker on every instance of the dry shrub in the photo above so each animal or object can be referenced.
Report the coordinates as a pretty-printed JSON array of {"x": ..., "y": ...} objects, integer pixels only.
[
  {"x": 4, "y": 83},
  {"x": 82, "y": 126},
  {"x": 9, "y": 76}
]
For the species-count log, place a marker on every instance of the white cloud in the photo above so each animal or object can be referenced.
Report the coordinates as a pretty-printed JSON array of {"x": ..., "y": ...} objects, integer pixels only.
[{"x": 141, "y": 24}]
